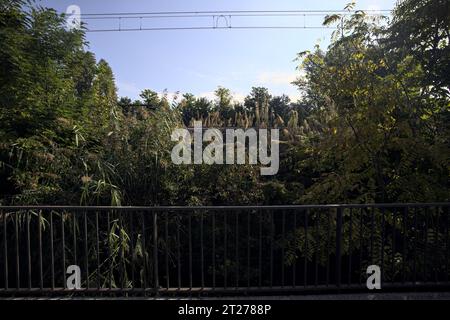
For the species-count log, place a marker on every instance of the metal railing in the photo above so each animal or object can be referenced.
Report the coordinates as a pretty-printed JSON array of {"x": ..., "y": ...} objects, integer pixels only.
[{"x": 126, "y": 251}]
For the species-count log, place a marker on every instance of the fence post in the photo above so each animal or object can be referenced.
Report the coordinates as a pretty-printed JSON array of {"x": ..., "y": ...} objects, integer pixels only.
[
  {"x": 155, "y": 251},
  {"x": 338, "y": 246}
]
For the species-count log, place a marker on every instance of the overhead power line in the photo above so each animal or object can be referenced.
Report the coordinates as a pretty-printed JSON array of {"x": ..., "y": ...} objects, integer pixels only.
[
  {"x": 143, "y": 16},
  {"x": 219, "y": 19},
  {"x": 210, "y": 28},
  {"x": 226, "y": 12}
]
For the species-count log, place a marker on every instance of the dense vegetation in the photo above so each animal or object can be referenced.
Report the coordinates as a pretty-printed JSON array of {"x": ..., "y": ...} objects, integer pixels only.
[{"x": 372, "y": 126}]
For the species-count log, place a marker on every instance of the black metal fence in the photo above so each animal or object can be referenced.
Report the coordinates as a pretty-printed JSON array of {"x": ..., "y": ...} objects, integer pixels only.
[{"x": 222, "y": 250}]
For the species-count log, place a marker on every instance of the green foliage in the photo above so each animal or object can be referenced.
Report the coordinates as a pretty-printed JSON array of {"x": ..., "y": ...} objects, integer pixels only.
[
  {"x": 379, "y": 141},
  {"x": 372, "y": 126}
]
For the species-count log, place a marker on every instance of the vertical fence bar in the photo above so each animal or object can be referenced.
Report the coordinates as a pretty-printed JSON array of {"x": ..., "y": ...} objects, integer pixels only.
[
  {"x": 52, "y": 253},
  {"x": 63, "y": 250},
  {"x": 155, "y": 252},
  {"x": 17, "y": 251},
  {"x": 436, "y": 249},
  {"x": 225, "y": 234},
  {"x": 447, "y": 249},
  {"x": 86, "y": 249},
  {"x": 166, "y": 229},
  {"x": 305, "y": 262},
  {"x": 97, "y": 240},
  {"x": 350, "y": 246},
  {"x": 394, "y": 226},
  {"x": 283, "y": 243},
  {"x": 446, "y": 244},
  {"x": 272, "y": 235},
  {"x": 213, "y": 221},
  {"x": 248, "y": 249},
  {"x": 202, "y": 255},
  {"x": 383, "y": 232},
  {"x": 416, "y": 234},
  {"x": 328, "y": 248},
  {"x": 294, "y": 266},
  {"x": 131, "y": 246},
  {"x": 237, "y": 249},
  {"x": 213, "y": 217},
  {"x": 41, "y": 269},
  {"x": 144, "y": 254},
  {"x": 74, "y": 237},
  {"x": 425, "y": 249},
  {"x": 372, "y": 233},
  {"x": 260, "y": 251},
  {"x": 361, "y": 242},
  {"x": 29, "y": 249},
  {"x": 317, "y": 251},
  {"x": 133, "y": 253},
  {"x": 110, "y": 253},
  {"x": 121, "y": 251},
  {"x": 190, "y": 248},
  {"x": 178, "y": 252},
  {"x": 338, "y": 246},
  {"x": 5, "y": 249},
  {"x": 405, "y": 226}
]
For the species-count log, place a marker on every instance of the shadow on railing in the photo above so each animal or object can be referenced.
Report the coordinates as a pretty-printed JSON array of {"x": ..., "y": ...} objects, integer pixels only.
[{"x": 221, "y": 250}]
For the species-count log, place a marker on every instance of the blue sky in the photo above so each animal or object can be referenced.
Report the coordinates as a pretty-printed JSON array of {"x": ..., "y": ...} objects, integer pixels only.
[{"x": 197, "y": 61}]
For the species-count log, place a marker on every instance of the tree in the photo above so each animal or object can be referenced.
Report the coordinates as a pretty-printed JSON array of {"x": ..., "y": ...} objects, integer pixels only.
[
  {"x": 376, "y": 143},
  {"x": 224, "y": 97},
  {"x": 280, "y": 106},
  {"x": 258, "y": 103},
  {"x": 150, "y": 98},
  {"x": 223, "y": 102},
  {"x": 105, "y": 95},
  {"x": 422, "y": 29}
]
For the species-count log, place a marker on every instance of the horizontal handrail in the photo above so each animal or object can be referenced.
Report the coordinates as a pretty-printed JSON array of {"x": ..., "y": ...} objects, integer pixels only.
[{"x": 232, "y": 207}]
